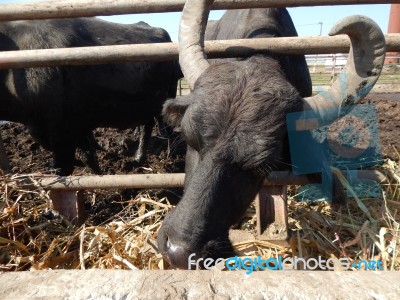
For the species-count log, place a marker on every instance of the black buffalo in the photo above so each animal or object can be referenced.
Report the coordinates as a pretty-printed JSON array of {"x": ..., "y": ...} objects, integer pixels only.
[
  {"x": 234, "y": 121},
  {"x": 62, "y": 105}
]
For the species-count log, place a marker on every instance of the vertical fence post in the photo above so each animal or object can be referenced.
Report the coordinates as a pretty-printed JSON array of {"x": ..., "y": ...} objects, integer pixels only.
[
  {"x": 70, "y": 204},
  {"x": 272, "y": 218},
  {"x": 333, "y": 73}
]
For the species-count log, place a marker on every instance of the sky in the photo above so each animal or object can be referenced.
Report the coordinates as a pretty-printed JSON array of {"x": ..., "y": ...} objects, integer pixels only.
[{"x": 309, "y": 21}]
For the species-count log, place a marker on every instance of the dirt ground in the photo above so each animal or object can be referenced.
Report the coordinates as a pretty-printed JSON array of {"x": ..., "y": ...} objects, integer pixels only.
[
  {"x": 165, "y": 155},
  {"x": 388, "y": 108},
  {"x": 115, "y": 157}
]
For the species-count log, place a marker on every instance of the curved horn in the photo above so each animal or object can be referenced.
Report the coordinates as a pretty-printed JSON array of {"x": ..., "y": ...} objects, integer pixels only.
[
  {"x": 191, "y": 39},
  {"x": 362, "y": 70}
]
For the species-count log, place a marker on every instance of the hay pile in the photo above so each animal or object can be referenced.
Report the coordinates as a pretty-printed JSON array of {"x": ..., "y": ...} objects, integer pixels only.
[{"x": 34, "y": 237}]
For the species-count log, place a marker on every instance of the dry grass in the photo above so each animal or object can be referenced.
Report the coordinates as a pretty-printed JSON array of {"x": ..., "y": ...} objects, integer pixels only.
[{"x": 33, "y": 237}]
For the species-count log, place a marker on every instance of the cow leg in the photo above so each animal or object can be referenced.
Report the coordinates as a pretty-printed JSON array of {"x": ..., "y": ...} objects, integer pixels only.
[
  {"x": 61, "y": 142},
  {"x": 63, "y": 157},
  {"x": 89, "y": 146},
  {"x": 145, "y": 134},
  {"x": 4, "y": 163}
]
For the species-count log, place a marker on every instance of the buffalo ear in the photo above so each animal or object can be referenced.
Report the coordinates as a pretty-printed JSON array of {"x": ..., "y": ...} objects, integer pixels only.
[{"x": 174, "y": 110}]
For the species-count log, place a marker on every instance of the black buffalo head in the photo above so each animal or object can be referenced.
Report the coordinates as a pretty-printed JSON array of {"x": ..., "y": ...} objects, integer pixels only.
[{"x": 234, "y": 125}]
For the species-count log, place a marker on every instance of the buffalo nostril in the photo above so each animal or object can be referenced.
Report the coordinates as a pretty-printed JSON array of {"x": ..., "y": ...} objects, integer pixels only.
[{"x": 177, "y": 255}]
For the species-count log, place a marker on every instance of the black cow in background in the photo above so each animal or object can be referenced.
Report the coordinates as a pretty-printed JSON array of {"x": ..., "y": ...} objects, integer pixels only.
[
  {"x": 234, "y": 121},
  {"x": 62, "y": 105}
]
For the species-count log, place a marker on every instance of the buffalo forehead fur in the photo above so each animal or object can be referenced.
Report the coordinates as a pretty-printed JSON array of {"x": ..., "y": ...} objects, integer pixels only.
[{"x": 238, "y": 110}]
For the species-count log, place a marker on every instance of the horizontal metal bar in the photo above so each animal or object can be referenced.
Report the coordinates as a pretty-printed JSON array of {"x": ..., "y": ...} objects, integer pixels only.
[
  {"x": 142, "y": 181},
  {"x": 169, "y": 51},
  {"x": 87, "y": 55},
  {"x": 155, "y": 181},
  {"x": 84, "y": 8},
  {"x": 289, "y": 45}
]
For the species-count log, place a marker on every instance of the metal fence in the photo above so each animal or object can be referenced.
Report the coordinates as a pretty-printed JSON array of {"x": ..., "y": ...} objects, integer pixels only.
[{"x": 166, "y": 51}]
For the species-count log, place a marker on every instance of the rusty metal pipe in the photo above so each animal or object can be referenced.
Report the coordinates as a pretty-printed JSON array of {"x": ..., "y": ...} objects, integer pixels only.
[
  {"x": 83, "y": 8},
  {"x": 169, "y": 51},
  {"x": 155, "y": 181}
]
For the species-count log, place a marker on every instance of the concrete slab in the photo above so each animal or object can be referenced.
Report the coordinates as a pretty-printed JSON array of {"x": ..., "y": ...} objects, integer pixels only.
[{"x": 214, "y": 284}]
